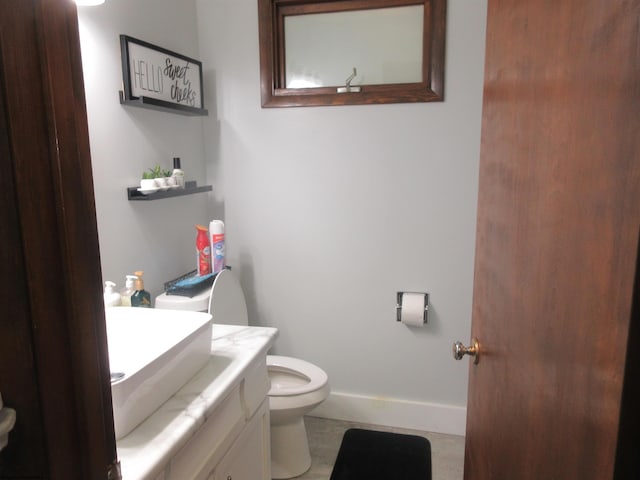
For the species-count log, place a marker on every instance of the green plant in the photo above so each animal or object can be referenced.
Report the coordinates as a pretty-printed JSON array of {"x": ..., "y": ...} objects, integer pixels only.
[
  {"x": 155, "y": 172},
  {"x": 167, "y": 173}
]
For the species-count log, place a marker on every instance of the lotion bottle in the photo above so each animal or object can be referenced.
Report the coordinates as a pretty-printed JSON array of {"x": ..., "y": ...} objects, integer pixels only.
[
  {"x": 140, "y": 298},
  {"x": 177, "y": 173},
  {"x": 111, "y": 297},
  {"x": 127, "y": 291}
]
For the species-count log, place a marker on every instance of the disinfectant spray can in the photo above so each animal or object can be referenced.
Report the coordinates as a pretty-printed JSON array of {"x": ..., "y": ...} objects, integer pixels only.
[
  {"x": 203, "y": 251},
  {"x": 216, "y": 234}
]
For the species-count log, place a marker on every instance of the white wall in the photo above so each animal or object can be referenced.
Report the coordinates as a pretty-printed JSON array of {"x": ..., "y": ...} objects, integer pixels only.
[
  {"x": 332, "y": 210},
  {"x": 158, "y": 236}
]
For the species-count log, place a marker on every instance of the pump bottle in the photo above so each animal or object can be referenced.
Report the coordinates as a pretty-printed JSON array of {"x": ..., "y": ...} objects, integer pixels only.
[
  {"x": 140, "y": 298},
  {"x": 127, "y": 291},
  {"x": 111, "y": 297}
]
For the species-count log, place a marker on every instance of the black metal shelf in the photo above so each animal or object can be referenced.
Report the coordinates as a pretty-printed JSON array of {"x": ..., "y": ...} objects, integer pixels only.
[
  {"x": 162, "y": 106},
  {"x": 191, "y": 188}
]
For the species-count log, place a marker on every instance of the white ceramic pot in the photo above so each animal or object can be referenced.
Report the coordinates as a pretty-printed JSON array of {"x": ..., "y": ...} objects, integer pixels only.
[
  {"x": 161, "y": 183},
  {"x": 148, "y": 184}
]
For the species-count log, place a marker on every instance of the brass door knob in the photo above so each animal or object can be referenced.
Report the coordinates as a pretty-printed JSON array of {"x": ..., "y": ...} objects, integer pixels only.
[{"x": 459, "y": 350}]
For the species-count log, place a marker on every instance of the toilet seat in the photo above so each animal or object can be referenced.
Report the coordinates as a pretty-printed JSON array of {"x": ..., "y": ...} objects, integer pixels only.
[{"x": 312, "y": 377}]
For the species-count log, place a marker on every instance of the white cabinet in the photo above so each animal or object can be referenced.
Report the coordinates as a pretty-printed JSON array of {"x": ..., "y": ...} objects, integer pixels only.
[
  {"x": 233, "y": 443},
  {"x": 204, "y": 450},
  {"x": 217, "y": 425},
  {"x": 249, "y": 456}
]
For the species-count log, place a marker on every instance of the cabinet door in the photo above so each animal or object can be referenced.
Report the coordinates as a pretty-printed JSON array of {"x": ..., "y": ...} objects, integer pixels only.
[{"x": 249, "y": 458}]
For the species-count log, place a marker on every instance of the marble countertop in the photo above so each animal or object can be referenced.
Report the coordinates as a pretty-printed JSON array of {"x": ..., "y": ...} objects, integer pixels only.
[{"x": 145, "y": 451}]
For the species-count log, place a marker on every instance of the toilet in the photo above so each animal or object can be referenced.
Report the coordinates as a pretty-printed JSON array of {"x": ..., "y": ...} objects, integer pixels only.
[{"x": 297, "y": 386}]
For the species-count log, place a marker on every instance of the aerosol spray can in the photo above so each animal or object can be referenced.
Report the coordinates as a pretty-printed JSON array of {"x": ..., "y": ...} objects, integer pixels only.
[
  {"x": 216, "y": 234},
  {"x": 203, "y": 251}
]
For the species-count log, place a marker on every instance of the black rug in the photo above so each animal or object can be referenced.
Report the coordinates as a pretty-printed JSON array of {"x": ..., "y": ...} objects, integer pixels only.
[{"x": 371, "y": 455}]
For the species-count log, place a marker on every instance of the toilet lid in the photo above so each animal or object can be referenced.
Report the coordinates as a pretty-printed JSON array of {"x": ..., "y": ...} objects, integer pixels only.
[
  {"x": 227, "y": 305},
  {"x": 317, "y": 378}
]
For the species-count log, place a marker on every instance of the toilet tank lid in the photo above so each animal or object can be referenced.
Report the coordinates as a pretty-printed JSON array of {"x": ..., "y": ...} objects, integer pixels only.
[{"x": 197, "y": 303}]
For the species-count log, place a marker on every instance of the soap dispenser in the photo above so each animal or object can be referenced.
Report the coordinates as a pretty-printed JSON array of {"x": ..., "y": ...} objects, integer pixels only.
[
  {"x": 127, "y": 291},
  {"x": 140, "y": 298},
  {"x": 111, "y": 297}
]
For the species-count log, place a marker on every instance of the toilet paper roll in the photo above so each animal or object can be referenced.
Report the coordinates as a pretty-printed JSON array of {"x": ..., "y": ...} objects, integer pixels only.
[{"x": 412, "y": 309}]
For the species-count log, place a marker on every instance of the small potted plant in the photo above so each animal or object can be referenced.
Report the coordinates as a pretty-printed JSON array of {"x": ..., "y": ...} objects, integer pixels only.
[
  {"x": 148, "y": 182},
  {"x": 168, "y": 175},
  {"x": 159, "y": 178}
]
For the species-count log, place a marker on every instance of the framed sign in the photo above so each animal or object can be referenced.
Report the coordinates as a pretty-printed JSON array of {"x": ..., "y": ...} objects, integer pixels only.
[{"x": 160, "y": 79}]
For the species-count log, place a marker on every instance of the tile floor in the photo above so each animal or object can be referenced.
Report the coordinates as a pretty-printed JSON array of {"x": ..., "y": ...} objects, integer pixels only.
[{"x": 325, "y": 436}]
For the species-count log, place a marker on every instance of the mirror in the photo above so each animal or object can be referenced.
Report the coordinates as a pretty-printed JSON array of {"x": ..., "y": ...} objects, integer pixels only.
[{"x": 349, "y": 52}]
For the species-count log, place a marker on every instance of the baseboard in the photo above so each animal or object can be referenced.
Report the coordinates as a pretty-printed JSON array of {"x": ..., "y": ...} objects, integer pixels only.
[{"x": 392, "y": 412}]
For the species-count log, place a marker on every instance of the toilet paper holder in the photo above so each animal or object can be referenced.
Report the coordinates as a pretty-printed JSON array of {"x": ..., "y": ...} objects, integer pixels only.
[{"x": 399, "y": 305}]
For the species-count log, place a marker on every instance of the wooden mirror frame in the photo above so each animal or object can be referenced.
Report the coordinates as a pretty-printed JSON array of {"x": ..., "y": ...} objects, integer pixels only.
[{"x": 274, "y": 93}]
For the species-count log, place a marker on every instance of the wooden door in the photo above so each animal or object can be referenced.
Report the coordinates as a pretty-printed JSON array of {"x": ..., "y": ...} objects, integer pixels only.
[
  {"x": 53, "y": 357},
  {"x": 557, "y": 240}
]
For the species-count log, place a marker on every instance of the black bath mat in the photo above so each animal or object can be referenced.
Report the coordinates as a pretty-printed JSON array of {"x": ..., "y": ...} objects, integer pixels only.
[{"x": 371, "y": 455}]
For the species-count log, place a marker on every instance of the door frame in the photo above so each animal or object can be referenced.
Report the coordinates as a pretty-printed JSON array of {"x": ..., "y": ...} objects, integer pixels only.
[{"x": 50, "y": 163}]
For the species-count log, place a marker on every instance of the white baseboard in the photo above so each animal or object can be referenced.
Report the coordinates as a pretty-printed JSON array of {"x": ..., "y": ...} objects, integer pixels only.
[{"x": 392, "y": 412}]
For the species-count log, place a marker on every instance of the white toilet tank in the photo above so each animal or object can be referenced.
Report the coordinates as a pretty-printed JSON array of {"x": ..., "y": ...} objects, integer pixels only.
[
  {"x": 224, "y": 301},
  {"x": 197, "y": 303}
]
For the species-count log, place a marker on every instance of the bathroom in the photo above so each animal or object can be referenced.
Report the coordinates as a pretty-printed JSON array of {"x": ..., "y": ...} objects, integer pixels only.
[
  {"x": 329, "y": 211},
  {"x": 381, "y": 371},
  {"x": 310, "y": 222}
]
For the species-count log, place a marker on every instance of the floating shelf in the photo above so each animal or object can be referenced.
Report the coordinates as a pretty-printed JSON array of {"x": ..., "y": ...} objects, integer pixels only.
[
  {"x": 162, "y": 106},
  {"x": 190, "y": 188}
]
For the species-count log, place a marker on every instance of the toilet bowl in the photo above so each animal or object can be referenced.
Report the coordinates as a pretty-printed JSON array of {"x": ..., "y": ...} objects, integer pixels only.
[{"x": 297, "y": 386}]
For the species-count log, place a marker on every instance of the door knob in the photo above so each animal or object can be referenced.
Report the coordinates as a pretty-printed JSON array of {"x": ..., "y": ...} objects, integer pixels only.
[{"x": 459, "y": 350}]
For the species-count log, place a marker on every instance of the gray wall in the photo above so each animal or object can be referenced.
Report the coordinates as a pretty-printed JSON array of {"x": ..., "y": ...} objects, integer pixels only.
[
  {"x": 332, "y": 210},
  {"x": 157, "y": 237},
  {"x": 329, "y": 210}
]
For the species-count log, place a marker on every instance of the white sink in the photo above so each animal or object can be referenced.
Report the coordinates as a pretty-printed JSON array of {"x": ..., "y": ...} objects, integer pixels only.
[{"x": 152, "y": 354}]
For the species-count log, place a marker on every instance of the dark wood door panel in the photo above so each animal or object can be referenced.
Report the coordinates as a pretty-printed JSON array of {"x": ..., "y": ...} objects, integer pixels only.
[
  {"x": 18, "y": 384},
  {"x": 558, "y": 216},
  {"x": 57, "y": 329}
]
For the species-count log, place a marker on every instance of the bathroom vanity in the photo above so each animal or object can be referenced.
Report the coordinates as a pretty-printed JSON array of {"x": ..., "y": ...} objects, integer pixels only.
[{"x": 216, "y": 427}]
